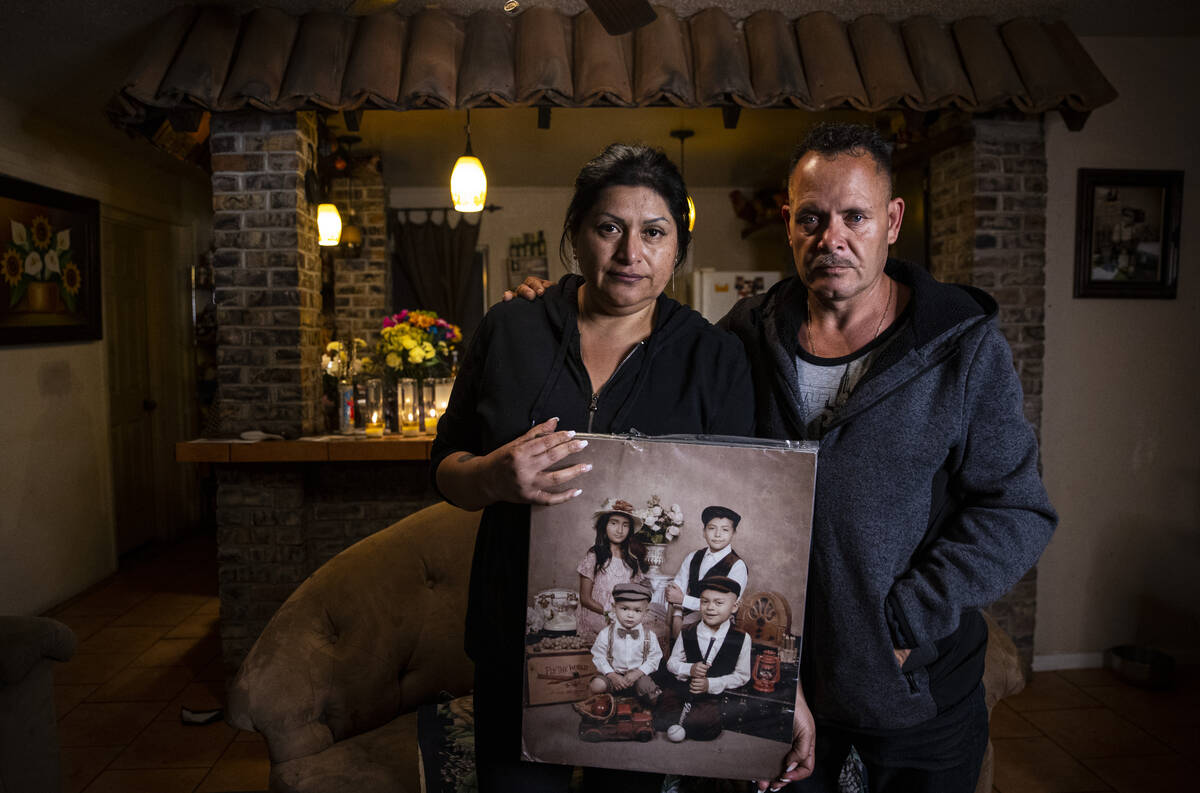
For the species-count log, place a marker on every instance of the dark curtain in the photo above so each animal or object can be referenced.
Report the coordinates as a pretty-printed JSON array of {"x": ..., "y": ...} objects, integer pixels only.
[{"x": 434, "y": 267}]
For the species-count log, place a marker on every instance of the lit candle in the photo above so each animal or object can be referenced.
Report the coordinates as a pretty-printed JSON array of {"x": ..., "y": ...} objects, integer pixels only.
[
  {"x": 375, "y": 408},
  {"x": 406, "y": 404}
]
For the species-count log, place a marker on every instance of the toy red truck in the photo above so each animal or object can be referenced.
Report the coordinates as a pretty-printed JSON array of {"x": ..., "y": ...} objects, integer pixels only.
[{"x": 609, "y": 718}]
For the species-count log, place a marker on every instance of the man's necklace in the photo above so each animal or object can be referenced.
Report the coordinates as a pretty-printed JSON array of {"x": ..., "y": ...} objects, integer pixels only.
[{"x": 878, "y": 327}]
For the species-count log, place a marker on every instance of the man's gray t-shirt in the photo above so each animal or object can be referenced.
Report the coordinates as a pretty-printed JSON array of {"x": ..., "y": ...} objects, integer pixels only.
[{"x": 824, "y": 384}]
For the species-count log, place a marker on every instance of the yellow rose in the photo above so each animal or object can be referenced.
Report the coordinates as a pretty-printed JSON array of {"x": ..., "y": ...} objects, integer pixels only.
[
  {"x": 415, "y": 355},
  {"x": 393, "y": 360},
  {"x": 408, "y": 342}
]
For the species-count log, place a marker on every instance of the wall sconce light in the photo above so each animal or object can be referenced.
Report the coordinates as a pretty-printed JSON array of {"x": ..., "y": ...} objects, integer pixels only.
[
  {"x": 468, "y": 182},
  {"x": 329, "y": 225},
  {"x": 682, "y": 135}
]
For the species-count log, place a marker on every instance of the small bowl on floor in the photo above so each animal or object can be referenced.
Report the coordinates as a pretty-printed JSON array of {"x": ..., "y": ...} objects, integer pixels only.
[{"x": 1141, "y": 666}]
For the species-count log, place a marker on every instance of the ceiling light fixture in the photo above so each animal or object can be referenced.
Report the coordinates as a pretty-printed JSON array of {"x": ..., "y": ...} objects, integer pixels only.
[
  {"x": 682, "y": 135},
  {"x": 352, "y": 234},
  {"x": 468, "y": 182}
]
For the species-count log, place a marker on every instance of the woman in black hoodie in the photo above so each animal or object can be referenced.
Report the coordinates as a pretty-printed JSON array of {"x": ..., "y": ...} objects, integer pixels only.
[{"x": 606, "y": 352}]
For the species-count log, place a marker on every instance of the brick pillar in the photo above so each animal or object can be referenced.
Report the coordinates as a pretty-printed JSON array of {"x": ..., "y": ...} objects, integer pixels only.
[
  {"x": 266, "y": 273},
  {"x": 360, "y": 281},
  {"x": 988, "y": 214}
]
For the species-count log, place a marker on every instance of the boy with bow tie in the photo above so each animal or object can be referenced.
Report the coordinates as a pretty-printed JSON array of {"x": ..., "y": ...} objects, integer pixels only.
[{"x": 627, "y": 652}]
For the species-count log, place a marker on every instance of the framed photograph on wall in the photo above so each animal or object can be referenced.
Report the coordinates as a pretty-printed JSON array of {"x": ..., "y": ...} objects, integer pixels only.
[
  {"x": 1127, "y": 233},
  {"x": 665, "y": 608},
  {"x": 49, "y": 264}
]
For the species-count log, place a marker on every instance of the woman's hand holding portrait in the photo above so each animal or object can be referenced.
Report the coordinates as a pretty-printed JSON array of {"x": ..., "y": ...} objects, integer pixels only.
[{"x": 519, "y": 471}]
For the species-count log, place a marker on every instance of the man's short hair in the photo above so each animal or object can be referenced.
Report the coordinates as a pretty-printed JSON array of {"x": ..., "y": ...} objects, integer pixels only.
[
  {"x": 716, "y": 511},
  {"x": 831, "y": 139}
]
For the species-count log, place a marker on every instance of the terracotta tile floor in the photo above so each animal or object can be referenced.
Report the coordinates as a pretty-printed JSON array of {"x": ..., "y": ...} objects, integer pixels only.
[
  {"x": 148, "y": 646},
  {"x": 1086, "y": 730}
]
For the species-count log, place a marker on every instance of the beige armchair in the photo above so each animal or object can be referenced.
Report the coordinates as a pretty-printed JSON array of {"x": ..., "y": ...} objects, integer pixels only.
[
  {"x": 1002, "y": 677},
  {"x": 334, "y": 680},
  {"x": 29, "y": 755}
]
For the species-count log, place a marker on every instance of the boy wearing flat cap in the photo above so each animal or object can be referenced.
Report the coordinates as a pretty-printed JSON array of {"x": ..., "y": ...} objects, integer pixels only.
[
  {"x": 717, "y": 558},
  {"x": 627, "y": 652},
  {"x": 708, "y": 658}
]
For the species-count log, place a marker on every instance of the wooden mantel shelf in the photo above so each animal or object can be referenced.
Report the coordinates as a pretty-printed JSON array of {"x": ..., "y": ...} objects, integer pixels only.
[{"x": 316, "y": 450}]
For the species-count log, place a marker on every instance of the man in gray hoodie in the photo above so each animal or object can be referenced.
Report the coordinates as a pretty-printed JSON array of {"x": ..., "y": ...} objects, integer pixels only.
[{"x": 928, "y": 503}]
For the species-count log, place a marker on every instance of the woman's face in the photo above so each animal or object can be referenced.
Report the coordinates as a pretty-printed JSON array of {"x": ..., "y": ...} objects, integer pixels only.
[
  {"x": 617, "y": 529},
  {"x": 626, "y": 246}
]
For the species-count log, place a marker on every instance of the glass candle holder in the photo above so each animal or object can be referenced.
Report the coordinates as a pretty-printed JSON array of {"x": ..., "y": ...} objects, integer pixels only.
[
  {"x": 425, "y": 409},
  {"x": 408, "y": 406},
  {"x": 374, "y": 409},
  {"x": 441, "y": 388},
  {"x": 345, "y": 391}
]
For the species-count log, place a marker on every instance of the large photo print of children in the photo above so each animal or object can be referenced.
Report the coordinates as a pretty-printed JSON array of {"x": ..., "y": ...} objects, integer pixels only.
[{"x": 665, "y": 608}]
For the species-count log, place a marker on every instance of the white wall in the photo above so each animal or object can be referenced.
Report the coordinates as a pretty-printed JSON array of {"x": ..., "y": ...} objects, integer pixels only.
[
  {"x": 56, "y": 526},
  {"x": 1121, "y": 421},
  {"x": 716, "y": 240}
]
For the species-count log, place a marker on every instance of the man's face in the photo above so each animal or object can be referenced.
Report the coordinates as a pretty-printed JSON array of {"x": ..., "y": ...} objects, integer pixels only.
[
  {"x": 840, "y": 219},
  {"x": 718, "y": 533},
  {"x": 716, "y": 607},
  {"x": 630, "y": 612}
]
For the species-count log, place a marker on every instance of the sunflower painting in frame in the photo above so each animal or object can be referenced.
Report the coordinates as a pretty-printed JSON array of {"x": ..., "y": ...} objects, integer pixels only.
[{"x": 49, "y": 264}]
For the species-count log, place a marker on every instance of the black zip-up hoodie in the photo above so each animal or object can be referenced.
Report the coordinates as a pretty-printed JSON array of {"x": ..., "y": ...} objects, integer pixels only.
[{"x": 524, "y": 366}]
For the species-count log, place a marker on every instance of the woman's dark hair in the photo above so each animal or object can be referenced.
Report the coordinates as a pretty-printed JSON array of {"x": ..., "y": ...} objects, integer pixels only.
[
  {"x": 625, "y": 165},
  {"x": 631, "y": 549}
]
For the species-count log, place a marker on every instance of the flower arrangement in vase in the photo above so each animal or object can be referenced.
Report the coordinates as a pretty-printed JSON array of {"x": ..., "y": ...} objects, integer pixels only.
[
  {"x": 340, "y": 364},
  {"x": 417, "y": 344},
  {"x": 38, "y": 266},
  {"x": 661, "y": 524},
  {"x": 415, "y": 352}
]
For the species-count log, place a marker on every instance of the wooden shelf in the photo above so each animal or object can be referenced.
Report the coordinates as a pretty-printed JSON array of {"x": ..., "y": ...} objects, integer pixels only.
[{"x": 326, "y": 449}]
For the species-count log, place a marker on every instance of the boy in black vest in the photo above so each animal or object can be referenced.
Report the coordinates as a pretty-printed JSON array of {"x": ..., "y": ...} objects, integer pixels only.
[
  {"x": 717, "y": 558},
  {"x": 708, "y": 658}
]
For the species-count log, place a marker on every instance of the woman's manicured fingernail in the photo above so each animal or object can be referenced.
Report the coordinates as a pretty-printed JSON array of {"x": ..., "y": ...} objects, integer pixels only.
[
  {"x": 582, "y": 444},
  {"x": 570, "y": 433},
  {"x": 578, "y": 492},
  {"x": 587, "y": 467},
  {"x": 791, "y": 768}
]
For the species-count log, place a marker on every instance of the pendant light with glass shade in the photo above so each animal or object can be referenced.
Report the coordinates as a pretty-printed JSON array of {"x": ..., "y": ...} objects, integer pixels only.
[
  {"x": 468, "y": 182},
  {"x": 329, "y": 225},
  {"x": 352, "y": 233},
  {"x": 682, "y": 135}
]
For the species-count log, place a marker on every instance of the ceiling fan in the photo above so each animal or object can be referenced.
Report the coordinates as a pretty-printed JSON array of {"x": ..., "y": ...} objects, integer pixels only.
[{"x": 617, "y": 16}]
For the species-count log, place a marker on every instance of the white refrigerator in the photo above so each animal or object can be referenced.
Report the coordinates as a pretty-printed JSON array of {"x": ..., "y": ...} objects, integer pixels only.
[{"x": 715, "y": 291}]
